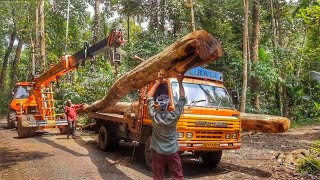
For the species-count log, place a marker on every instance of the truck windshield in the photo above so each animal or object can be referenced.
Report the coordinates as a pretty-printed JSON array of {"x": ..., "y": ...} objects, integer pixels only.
[
  {"x": 203, "y": 95},
  {"x": 22, "y": 92}
]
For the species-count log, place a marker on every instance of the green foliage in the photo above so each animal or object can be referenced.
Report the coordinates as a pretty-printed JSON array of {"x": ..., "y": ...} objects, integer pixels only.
[{"x": 311, "y": 164}]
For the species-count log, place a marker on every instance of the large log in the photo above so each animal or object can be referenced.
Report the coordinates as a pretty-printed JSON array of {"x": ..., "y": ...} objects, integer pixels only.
[
  {"x": 194, "y": 49},
  {"x": 264, "y": 123},
  {"x": 122, "y": 107}
]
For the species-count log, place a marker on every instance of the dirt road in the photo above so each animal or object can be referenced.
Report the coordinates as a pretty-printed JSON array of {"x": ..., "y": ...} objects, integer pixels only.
[{"x": 52, "y": 156}]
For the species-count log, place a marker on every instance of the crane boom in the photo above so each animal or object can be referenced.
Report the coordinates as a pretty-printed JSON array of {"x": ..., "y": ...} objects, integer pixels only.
[{"x": 69, "y": 63}]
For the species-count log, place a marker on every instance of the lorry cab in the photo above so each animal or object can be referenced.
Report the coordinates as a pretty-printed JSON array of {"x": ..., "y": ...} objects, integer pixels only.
[{"x": 210, "y": 122}]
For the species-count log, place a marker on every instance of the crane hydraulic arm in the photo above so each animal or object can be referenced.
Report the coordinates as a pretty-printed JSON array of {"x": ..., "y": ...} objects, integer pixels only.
[{"x": 69, "y": 63}]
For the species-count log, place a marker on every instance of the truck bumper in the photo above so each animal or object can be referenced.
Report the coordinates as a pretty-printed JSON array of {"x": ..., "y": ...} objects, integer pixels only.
[
  {"x": 208, "y": 145},
  {"x": 42, "y": 123}
]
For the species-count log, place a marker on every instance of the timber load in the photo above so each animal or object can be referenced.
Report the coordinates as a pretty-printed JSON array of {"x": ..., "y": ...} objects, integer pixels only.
[
  {"x": 264, "y": 123},
  {"x": 194, "y": 49}
]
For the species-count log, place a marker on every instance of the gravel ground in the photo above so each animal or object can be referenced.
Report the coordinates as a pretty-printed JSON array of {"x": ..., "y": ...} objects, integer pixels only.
[{"x": 52, "y": 156}]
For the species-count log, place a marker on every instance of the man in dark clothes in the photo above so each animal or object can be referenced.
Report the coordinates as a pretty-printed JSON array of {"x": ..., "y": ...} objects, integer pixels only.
[
  {"x": 164, "y": 142},
  {"x": 71, "y": 113}
]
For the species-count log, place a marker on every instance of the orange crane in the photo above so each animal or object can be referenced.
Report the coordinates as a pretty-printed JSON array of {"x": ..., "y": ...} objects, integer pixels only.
[{"x": 33, "y": 107}]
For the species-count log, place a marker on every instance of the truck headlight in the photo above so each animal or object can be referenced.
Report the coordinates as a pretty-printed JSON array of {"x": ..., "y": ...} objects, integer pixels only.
[
  {"x": 227, "y": 136},
  {"x": 189, "y": 135},
  {"x": 234, "y": 136},
  {"x": 180, "y": 134}
]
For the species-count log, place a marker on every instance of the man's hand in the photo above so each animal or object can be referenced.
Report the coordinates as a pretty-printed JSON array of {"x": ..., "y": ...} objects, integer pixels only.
[
  {"x": 161, "y": 76},
  {"x": 154, "y": 88},
  {"x": 180, "y": 78}
]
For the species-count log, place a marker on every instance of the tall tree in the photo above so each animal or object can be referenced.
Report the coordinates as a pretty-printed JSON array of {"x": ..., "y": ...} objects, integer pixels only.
[
  {"x": 42, "y": 36},
  {"x": 245, "y": 56},
  {"x": 15, "y": 64},
  {"x": 193, "y": 27},
  {"x": 8, "y": 52},
  {"x": 96, "y": 21},
  {"x": 254, "y": 81},
  {"x": 6, "y": 59}
]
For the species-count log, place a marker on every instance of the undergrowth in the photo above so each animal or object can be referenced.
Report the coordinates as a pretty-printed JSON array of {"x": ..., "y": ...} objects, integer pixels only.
[{"x": 311, "y": 164}]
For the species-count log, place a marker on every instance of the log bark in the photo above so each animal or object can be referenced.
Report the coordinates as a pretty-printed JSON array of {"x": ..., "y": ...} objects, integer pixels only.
[
  {"x": 122, "y": 107},
  {"x": 194, "y": 49},
  {"x": 264, "y": 123}
]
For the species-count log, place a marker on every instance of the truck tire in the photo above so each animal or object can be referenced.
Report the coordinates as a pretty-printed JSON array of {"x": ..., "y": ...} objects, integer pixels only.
[
  {"x": 64, "y": 130},
  {"x": 11, "y": 118},
  {"x": 31, "y": 131},
  {"x": 211, "y": 159},
  {"x": 22, "y": 131},
  {"x": 148, "y": 154},
  {"x": 105, "y": 140}
]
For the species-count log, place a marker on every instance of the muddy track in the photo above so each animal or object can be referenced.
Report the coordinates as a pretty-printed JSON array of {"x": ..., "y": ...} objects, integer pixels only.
[{"x": 52, "y": 156}]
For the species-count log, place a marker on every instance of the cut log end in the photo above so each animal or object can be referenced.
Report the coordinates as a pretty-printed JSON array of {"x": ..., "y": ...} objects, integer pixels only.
[{"x": 264, "y": 123}]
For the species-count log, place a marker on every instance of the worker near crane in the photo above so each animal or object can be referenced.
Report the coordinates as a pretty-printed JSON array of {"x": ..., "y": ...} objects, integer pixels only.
[
  {"x": 71, "y": 112},
  {"x": 164, "y": 142}
]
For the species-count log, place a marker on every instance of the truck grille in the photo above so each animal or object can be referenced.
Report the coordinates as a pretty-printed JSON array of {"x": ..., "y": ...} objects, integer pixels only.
[{"x": 205, "y": 135}]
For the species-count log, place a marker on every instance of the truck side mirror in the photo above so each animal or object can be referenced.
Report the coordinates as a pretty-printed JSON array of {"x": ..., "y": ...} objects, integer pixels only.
[{"x": 235, "y": 97}]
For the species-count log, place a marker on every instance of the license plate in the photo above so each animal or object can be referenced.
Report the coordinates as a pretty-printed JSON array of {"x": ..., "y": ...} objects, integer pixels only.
[
  {"x": 51, "y": 123},
  {"x": 211, "y": 145}
]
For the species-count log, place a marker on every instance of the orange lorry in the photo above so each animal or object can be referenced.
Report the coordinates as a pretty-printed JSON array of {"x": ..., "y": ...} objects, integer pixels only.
[
  {"x": 33, "y": 106},
  {"x": 209, "y": 124}
]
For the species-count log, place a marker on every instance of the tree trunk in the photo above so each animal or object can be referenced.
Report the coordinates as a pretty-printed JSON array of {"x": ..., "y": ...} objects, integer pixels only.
[
  {"x": 6, "y": 59},
  {"x": 37, "y": 26},
  {"x": 245, "y": 56},
  {"x": 15, "y": 64},
  {"x": 42, "y": 37},
  {"x": 264, "y": 123},
  {"x": 255, "y": 82},
  {"x": 128, "y": 28},
  {"x": 96, "y": 21},
  {"x": 193, "y": 50},
  {"x": 193, "y": 27},
  {"x": 274, "y": 20}
]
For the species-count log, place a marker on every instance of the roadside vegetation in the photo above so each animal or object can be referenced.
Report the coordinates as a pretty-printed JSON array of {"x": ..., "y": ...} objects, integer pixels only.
[{"x": 311, "y": 163}]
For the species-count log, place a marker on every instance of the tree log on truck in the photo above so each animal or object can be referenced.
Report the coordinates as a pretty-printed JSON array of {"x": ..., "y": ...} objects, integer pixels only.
[
  {"x": 194, "y": 49},
  {"x": 251, "y": 122}
]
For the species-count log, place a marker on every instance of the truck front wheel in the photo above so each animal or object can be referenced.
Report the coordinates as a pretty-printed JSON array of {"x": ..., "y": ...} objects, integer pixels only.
[
  {"x": 211, "y": 159},
  {"x": 22, "y": 131},
  {"x": 64, "y": 130},
  {"x": 11, "y": 118}
]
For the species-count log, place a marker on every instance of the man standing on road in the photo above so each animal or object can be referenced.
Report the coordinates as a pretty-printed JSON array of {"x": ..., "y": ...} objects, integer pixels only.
[
  {"x": 164, "y": 142},
  {"x": 71, "y": 113}
]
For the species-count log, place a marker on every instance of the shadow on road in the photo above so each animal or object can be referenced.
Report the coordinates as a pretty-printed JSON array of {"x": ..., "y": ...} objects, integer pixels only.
[
  {"x": 59, "y": 146},
  {"x": 106, "y": 169},
  {"x": 192, "y": 168},
  {"x": 10, "y": 157}
]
